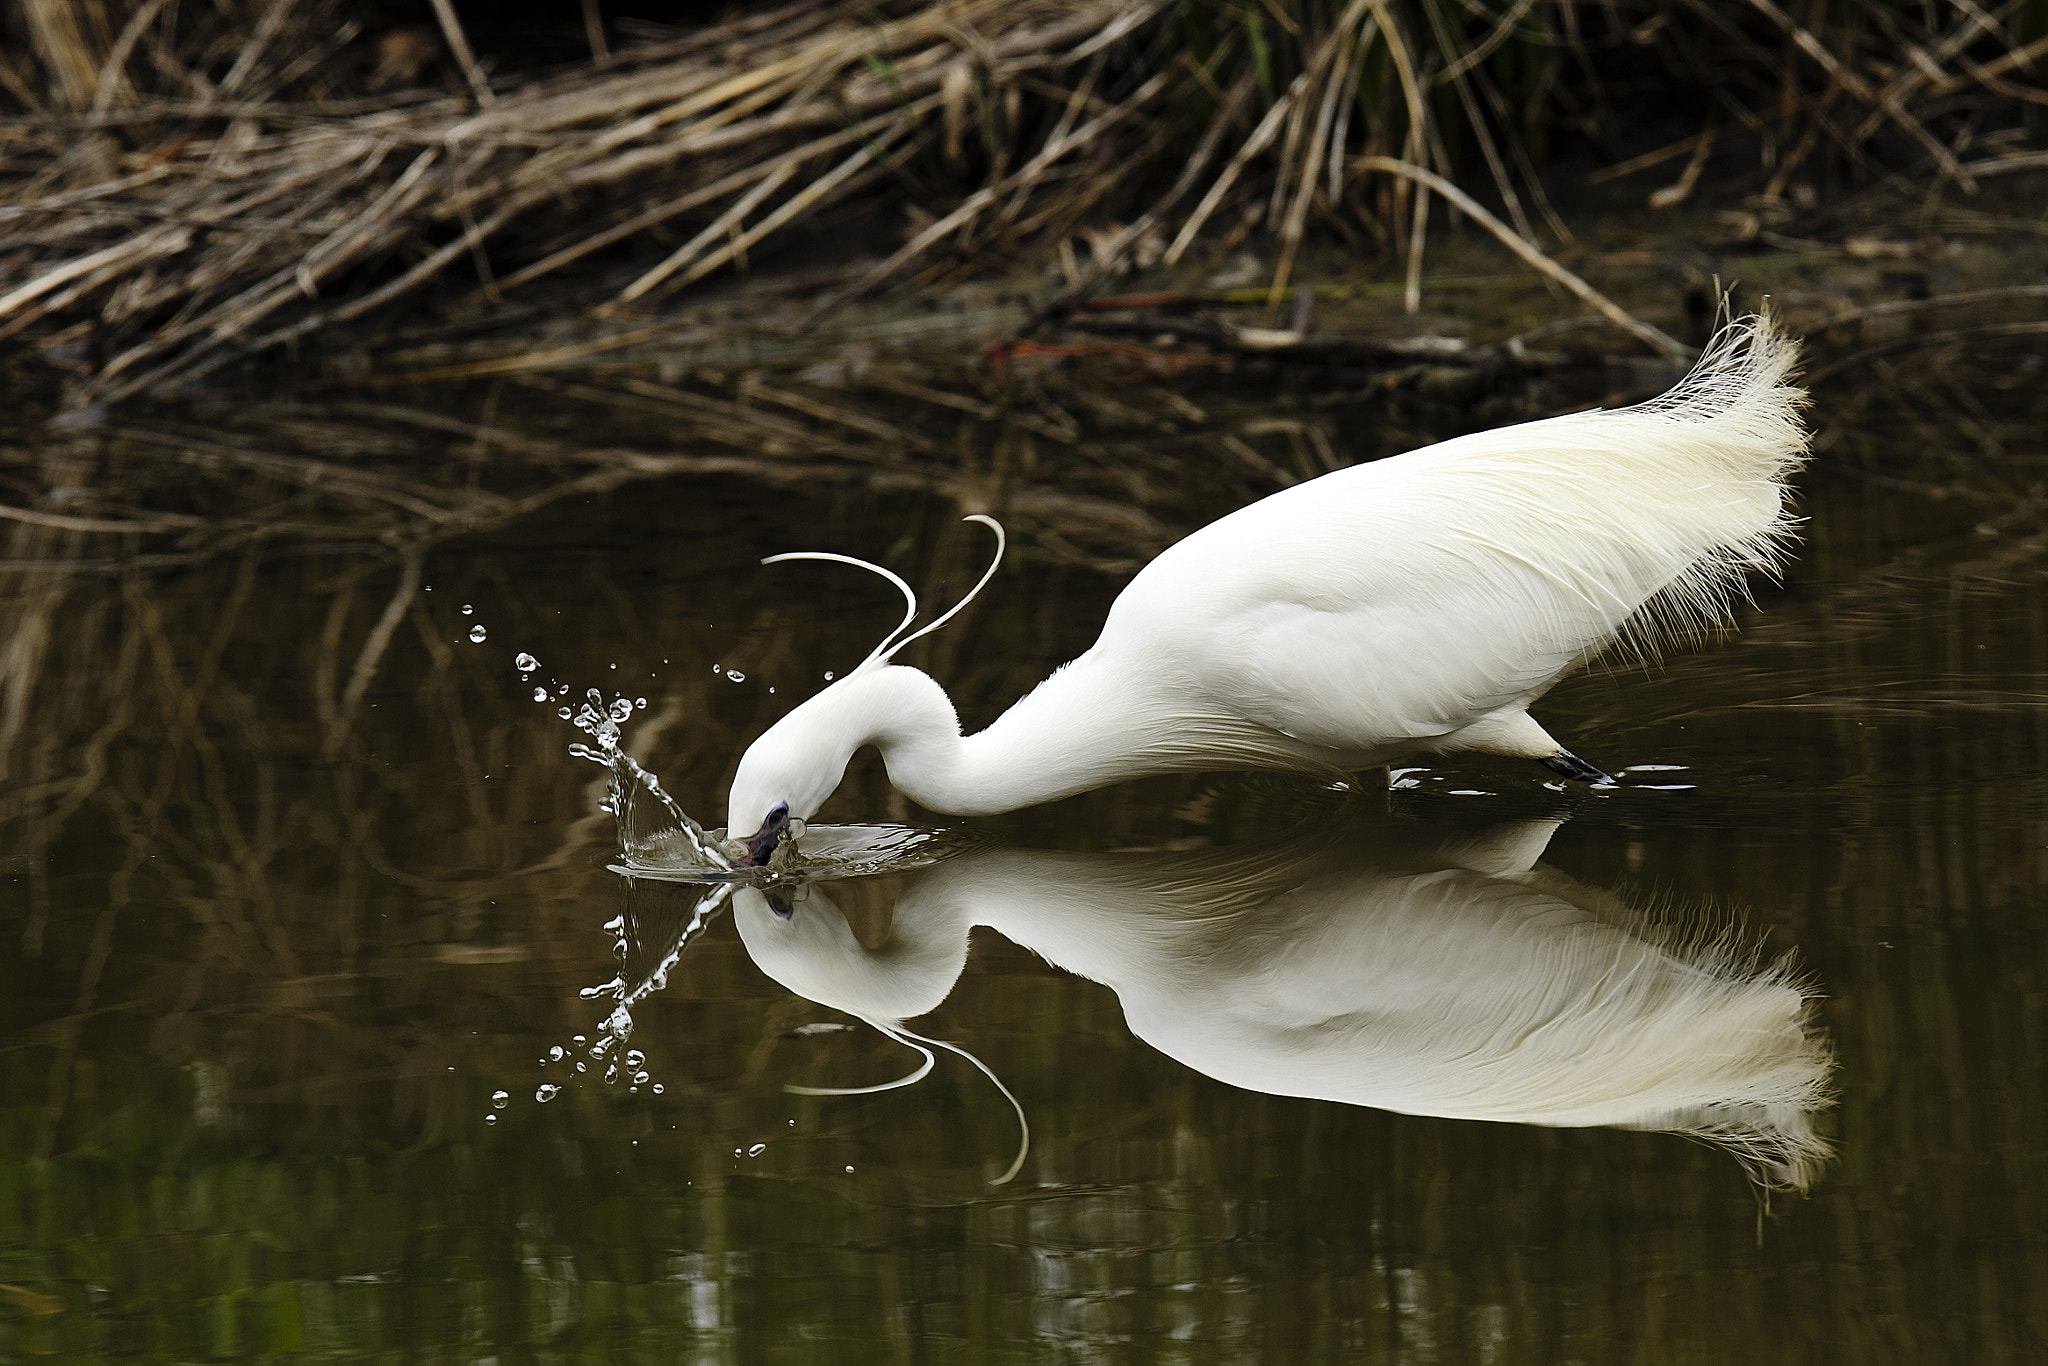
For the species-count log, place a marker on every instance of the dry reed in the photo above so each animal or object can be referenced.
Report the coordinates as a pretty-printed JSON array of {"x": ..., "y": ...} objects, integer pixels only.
[{"x": 184, "y": 190}]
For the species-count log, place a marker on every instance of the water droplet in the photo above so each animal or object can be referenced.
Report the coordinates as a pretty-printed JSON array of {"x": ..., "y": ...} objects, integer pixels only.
[
  {"x": 735, "y": 1152},
  {"x": 500, "y": 1099},
  {"x": 639, "y": 1078},
  {"x": 593, "y": 697},
  {"x": 546, "y": 1092},
  {"x": 555, "y": 1054},
  {"x": 614, "y": 666},
  {"x": 828, "y": 679},
  {"x": 540, "y": 694},
  {"x": 792, "y": 1124},
  {"x": 757, "y": 1150},
  {"x": 735, "y": 676},
  {"x": 467, "y": 609},
  {"x": 564, "y": 713},
  {"x": 622, "y": 710},
  {"x": 634, "y": 1057},
  {"x": 490, "y": 1119},
  {"x": 641, "y": 703},
  {"x": 581, "y": 1068},
  {"x": 849, "y": 1168},
  {"x": 771, "y": 692},
  {"x": 526, "y": 661},
  {"x": 658, "y": 1088},
  {"x": 477, "y": 635},
  {"x": 576, "y": 1038}
]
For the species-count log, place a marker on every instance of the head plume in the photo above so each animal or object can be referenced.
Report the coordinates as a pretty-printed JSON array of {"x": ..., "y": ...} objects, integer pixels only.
[{"x": 896, "y": 640}]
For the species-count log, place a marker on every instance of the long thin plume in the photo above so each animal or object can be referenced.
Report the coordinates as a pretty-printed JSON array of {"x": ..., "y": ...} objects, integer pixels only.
[
  {"x": 909, "y": 1079},
  {"x": 924, "y": 1046},
  {"x": 1002, "y": 544},
  {"x": 909, "y": 596},
  {"x": 1023, "y": 1124},
  {"x": 896, "y": 640}
]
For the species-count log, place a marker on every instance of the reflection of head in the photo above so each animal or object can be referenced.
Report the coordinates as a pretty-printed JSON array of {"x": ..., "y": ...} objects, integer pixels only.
[{"x": 814, "y": 953}]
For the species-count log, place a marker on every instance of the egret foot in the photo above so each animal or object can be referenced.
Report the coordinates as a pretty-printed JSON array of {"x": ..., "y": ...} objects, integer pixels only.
[{"x": 1566, "y": 764}]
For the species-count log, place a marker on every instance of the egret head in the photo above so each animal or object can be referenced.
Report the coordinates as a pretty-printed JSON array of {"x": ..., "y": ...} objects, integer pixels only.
[{"x": 787, "y": 774}]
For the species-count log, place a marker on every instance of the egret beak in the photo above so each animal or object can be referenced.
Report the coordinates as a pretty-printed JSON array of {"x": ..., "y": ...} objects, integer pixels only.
[{"x": 762, "y": 846}]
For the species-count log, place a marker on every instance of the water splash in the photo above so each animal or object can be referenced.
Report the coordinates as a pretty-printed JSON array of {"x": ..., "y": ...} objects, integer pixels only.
[{"x": 678, "y": 877}]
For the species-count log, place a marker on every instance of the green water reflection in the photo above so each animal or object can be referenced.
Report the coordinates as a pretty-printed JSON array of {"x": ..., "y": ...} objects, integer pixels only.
[{"x": 272, "y": 954}]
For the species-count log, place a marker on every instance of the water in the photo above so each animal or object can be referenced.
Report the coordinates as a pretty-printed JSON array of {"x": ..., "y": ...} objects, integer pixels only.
[{"x": 310, "y": 1011}]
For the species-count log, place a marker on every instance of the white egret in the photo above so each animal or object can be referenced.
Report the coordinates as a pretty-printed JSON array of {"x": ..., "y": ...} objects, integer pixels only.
[{"x": 1416, "y": 604}]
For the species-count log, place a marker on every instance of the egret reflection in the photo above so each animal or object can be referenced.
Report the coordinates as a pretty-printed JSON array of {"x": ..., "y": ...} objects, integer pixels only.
[{"x": 1380, "y": 965}]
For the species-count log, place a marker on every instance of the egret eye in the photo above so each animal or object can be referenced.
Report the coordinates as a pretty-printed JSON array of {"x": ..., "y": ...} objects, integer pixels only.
[{"x": 781, "y": 901}]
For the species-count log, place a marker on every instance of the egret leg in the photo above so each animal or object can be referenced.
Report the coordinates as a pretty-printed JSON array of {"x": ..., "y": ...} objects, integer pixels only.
[{"x": 1566, "y": 764}]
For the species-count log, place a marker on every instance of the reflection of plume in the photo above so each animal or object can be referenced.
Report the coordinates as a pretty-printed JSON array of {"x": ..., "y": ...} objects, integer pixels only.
[
  {"x": 1441, "y": 977},
  {"x": 877, "y": 982}
]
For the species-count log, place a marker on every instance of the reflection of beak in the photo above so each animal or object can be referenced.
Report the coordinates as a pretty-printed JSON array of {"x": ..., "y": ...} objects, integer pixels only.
[{"x": 762, "y": 846}]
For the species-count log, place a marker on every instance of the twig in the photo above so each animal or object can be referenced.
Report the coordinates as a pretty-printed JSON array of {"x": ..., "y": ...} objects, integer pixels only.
[{"x": 1620, "y": 316}]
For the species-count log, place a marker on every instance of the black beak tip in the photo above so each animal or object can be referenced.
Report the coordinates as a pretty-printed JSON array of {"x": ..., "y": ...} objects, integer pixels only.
[{"x": 762, "y": 846}]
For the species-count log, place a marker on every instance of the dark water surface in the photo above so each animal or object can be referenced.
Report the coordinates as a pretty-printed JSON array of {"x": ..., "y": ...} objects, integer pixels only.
[{"x": 298, "y": 932}]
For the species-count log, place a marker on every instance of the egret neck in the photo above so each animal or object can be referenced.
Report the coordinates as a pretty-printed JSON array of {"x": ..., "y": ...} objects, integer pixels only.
[{"x": 1080, "y": 729}]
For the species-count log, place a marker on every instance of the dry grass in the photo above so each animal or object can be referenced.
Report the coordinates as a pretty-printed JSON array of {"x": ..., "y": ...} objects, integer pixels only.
[{"x": 189, "y": 187}]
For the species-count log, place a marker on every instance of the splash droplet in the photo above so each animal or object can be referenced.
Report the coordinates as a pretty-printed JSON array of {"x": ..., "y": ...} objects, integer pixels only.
[
  {"x": 757, "y": 1150},
  {"x": 828, "y": 679},
  {"x": 546, "y": 1092},
  {"x": 735, "y": 676},
  {"x": 555, "y": 1054},
  {"x": 564, "y": 713},
  {"x": 467, "y": 609},
  {"x": 500, "y": 1099},
  {"x": 490, "y": 1119},
  {"x": 526, "y": 662},
  {"x": 634, "y": 1057},
  {"x": 477, "y": 635},
  {"x": 640, "y": 703},
  {"x": 541, "y": 695},
  {"x": 622, "y": 710},
  {"x": 658, "y": 1088},
  {"x": 639, "y": 1078}
]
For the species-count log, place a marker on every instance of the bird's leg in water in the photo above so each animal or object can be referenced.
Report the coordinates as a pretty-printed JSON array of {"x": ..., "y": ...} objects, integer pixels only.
[{"x": 1566, "y": 764}]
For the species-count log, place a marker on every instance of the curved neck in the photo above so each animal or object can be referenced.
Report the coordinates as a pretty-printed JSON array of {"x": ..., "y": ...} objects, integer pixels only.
[{"x": 1062, "y": 739}]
